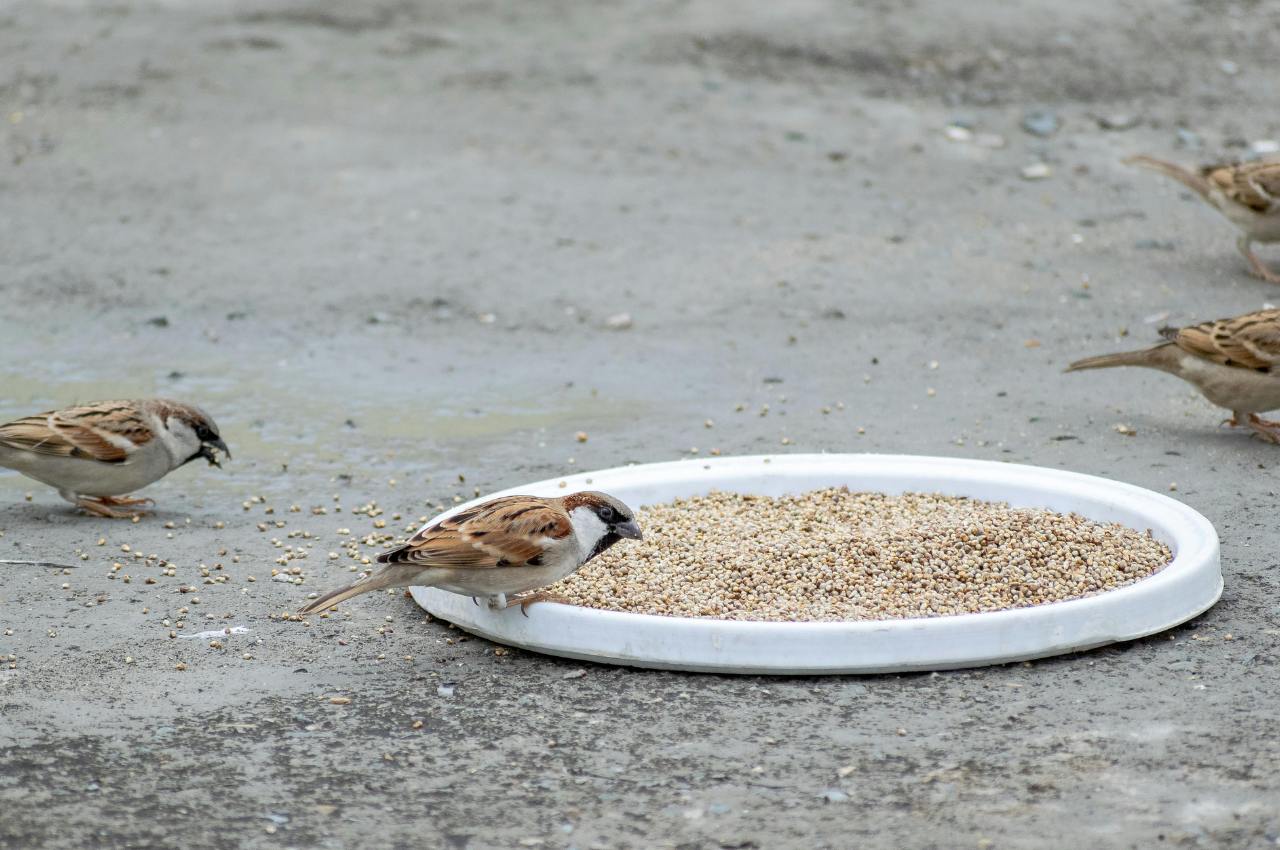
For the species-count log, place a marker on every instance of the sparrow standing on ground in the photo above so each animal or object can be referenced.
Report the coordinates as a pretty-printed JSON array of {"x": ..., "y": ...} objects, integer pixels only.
[
  {"x": 1230, "y": 361},
  {"x": 96, "y": 453},
  {"x": 1247, "y": 193},
  {"x": 500, "y": 548}
]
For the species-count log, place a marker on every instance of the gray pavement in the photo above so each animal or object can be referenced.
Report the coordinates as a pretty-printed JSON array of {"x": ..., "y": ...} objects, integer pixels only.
[{"x": 382, "y": 243}]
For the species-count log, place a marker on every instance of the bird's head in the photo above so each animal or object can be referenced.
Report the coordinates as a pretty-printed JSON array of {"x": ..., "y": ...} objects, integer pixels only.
[
  {"x": 599, "y": 521},
  {"x": 192, "y": 433}
]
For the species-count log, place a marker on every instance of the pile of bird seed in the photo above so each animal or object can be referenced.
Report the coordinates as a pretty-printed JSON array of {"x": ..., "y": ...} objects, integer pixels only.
[{"x": 838, "y": 555}]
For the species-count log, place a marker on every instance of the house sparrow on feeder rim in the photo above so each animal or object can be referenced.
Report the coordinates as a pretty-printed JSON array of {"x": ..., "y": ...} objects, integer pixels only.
[
  {"x": 1232, "y": 362},
  {"x": 502, "y": 548},
  {"x": 1247, "y": 193},
  {"x": 94, "y": 454}
]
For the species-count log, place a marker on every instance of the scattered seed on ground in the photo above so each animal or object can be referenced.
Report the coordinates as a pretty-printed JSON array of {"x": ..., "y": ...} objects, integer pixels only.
[{"x": 839, "y": 555}]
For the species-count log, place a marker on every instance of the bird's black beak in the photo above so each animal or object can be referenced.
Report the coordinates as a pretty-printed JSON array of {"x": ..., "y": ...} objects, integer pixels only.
[
  {"x": 207, "y": 451},
  {"x": 628, "y": 529}
]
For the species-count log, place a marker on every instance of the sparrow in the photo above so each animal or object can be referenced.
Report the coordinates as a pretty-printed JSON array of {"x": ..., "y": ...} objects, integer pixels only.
[
  {"x": 499, "y": 548},
  {"x": 1230, "y": 361},
  {"x": 1247, "y": 193},
  {"x": 95, "y": 453}
]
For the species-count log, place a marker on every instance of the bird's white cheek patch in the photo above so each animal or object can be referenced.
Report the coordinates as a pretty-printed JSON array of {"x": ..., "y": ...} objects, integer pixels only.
[
  {"x": 588, "y": 528},
  {"x": 179, "y": 439}
]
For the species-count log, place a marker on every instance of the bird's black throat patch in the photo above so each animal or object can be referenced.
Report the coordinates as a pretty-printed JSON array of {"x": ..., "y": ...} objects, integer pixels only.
[{"x": 604, "y": 543}]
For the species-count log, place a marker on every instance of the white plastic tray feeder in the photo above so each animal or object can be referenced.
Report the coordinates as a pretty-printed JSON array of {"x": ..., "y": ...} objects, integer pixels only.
[{"x": 1188, "y": 586}]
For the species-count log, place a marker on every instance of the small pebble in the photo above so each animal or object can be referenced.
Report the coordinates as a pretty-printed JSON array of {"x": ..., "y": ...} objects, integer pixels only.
[
  {"x": 1040, "y": 122},
  {"x": 1118, "y": 121},
  {"x": 1036, "y": 171}
]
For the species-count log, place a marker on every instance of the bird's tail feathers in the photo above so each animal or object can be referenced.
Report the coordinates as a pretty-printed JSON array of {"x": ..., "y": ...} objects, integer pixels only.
[
  {"x": 397, "y": 575},
  {"x": 1145, "y": 357},
  {"x": 1193, "y": 181}
]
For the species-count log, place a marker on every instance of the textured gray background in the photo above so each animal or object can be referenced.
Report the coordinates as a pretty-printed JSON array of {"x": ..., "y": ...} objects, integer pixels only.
[{"x": 386, "y": 239}]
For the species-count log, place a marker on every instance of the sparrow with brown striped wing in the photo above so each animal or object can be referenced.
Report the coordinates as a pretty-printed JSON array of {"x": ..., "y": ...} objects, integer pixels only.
[
  {"x": 1247, "y": 193},
  {"x": 95, "y": 453},
  {"x": 1234, "y": 363},
  {"x": 502, "y": 548}
]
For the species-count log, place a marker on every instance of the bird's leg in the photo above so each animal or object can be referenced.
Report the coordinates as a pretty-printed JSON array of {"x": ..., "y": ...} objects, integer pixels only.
[
  {"x": 1245, "y": 244},
  {"x": 1266, "y": 429},
  {"x": 99, "y": 507},
  {"x": 498, "y": 602},
  {"x": 1237, "y": 419},
  {"x": 524, "y": 600}
]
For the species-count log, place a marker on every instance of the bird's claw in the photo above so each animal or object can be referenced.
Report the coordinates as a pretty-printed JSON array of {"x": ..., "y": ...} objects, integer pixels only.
[
  {"x": 525, "y": 600},
  {"x": 1265, "y": 429},
  {"x": 104, "y": 506},
  {"x": 126, "y": 501}
]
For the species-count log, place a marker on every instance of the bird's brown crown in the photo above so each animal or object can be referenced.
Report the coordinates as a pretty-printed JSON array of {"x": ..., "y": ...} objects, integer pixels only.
[{"x": 595, "y": 500}]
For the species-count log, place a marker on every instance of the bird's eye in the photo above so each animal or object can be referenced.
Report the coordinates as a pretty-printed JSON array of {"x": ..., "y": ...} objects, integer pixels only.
[
  {"x": 606, "y": 514},
  {"x": 203, "y": 434}
]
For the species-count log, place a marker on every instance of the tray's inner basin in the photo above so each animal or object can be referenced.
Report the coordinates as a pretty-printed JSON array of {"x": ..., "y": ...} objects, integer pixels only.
[{"x": 833, "y": 554}]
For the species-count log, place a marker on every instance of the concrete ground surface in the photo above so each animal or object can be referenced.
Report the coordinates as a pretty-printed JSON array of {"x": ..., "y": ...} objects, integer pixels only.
[{"x": 382, "y": 243}]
